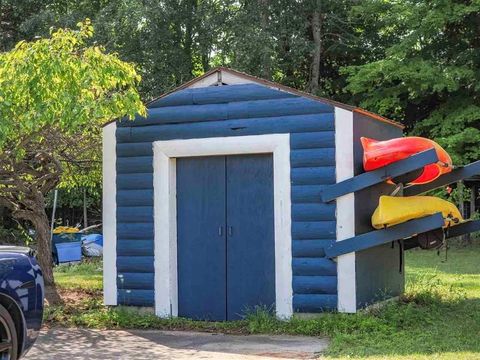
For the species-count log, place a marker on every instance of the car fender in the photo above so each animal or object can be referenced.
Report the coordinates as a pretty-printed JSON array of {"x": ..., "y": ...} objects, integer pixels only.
[{"x": 21, "y": 281}]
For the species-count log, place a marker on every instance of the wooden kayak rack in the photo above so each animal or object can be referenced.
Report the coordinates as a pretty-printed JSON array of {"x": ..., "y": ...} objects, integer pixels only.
[
  {"x": 384, "y": 236},
  {"x": 370, "y": 178},
  {"x": 410, "y": 229}
]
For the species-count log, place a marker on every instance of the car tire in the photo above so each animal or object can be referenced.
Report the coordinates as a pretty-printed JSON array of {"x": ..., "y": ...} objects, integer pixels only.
[{"x": 8, "y": 336}]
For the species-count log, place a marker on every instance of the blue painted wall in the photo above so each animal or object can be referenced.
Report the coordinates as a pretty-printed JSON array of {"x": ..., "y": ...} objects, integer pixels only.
[{"x": 232, "y": 110}]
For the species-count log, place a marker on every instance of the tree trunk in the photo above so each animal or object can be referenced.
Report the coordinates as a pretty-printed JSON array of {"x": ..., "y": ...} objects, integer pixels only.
[
  {"x": 85, "y": 215},
  {"x": 44, "y": 255},
  {"x": 205, "y": 61},
  {"x": 44, "y": 246},
  {"x": 188, "y": 40},
  {"x": 317, "y": 20},
  {"x": 266, "y": 70}
]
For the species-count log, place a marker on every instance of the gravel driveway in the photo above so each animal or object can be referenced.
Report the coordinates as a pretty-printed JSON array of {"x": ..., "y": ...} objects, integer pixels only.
[{"x": 82, "y": 344}]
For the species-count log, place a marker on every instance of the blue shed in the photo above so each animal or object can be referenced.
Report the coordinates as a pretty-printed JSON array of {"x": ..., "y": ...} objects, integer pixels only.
[{"x": 212, "y": 203}]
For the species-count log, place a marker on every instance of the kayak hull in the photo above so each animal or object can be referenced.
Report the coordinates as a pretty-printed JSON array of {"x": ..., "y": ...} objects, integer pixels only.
[
  {"x": 377, "y": 154},
  {"x": 393, "y": 210}
]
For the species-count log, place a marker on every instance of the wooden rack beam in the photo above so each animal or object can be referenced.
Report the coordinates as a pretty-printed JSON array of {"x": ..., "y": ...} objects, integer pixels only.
[
  {"x": 466, "y": 227},
  {"x": 455, "y": 175},
  {"x": 383, "y": 236},
  {"x": 457, "y": 230},
  {"x": 362, "y": 181}
]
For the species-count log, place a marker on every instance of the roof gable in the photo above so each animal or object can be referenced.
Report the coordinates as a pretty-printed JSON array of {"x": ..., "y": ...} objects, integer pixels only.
[
  {"x": 218, "y": 95},
  {"x": 224, "y": 76},
  {"x": 232, "y": 102},
  {"x": 221, "y": 76}
]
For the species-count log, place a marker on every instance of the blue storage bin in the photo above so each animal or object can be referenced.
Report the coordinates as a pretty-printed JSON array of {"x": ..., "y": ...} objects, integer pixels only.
[{"x": 68, "y": 251}]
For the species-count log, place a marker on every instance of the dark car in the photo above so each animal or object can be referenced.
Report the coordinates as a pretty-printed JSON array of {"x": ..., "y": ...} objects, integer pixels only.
[{"x": 21, "y": 301}]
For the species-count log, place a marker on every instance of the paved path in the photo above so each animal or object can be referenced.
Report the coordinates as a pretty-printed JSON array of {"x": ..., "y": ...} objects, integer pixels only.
[{"x": 82, "y": 344}]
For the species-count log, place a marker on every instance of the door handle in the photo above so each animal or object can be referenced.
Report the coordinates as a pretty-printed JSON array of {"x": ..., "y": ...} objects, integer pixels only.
[
  {"x": 220, "y": 230},
  {"x": 230, "y": 231}
]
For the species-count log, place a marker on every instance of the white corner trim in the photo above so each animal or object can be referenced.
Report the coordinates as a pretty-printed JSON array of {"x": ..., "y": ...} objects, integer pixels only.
[
  {"x": 346, "y": 278},
  {"x": 109, "y": 215},
  {"x": 165, "y": 153}
]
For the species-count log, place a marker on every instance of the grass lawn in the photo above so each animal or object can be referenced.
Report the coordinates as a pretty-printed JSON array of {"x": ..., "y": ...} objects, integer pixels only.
[
  {"x": 437, "y": 318},
  {"x": 87, "y": 275}
]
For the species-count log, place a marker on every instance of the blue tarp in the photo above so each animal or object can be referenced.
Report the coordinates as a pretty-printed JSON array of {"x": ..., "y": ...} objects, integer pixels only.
[{"x": 96, "y": 238}]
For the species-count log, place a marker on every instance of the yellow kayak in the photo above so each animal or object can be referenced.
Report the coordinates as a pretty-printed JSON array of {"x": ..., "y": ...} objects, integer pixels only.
[{"x": 393, "y": 210}]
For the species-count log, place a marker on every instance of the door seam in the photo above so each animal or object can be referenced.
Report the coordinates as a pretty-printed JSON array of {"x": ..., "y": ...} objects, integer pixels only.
[{"x": 226, "y": 238}]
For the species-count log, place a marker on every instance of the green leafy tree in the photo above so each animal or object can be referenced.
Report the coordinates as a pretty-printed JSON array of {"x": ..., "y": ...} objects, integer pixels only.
[
  {"x": 427, "y": 76},
  {"x": 16, "y": 20},
  {"x": 302, "y": 44},
  {"x": 55, "y": 93},
  {"x": 298, "y": 43}
]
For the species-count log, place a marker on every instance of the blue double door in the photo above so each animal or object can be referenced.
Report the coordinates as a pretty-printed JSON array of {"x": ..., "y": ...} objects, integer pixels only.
[{"x": 225, "y": 235}]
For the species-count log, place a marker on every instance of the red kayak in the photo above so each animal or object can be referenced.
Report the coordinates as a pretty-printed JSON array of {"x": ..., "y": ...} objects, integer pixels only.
[{"x": 377, "y": 154}]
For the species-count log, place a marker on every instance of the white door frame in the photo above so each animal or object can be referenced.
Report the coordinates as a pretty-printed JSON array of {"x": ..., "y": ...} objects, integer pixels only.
[{"x": 165, "y": 211}]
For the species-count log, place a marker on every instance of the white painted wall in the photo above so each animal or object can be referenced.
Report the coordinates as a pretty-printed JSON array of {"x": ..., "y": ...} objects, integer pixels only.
[
  {"x": 109, "y": 215},
  {"x": 346, "y": 283},
  {"x": 165, "y": 153}
]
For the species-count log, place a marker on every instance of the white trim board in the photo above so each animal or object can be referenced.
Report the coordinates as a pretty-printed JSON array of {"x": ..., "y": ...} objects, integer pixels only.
[
  {"x": 224, "y": 76},
  {"x": 164, "y": 180},
  {"x": 229, "y": 78},
  {"x": 109, "y": 212},
  {"x": 346, "y": 277}
]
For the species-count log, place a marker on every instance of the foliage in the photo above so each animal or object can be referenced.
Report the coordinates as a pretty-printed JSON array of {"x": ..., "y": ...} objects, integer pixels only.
[
  {"x": 282, "y": 47},
  {"x": 14, "y": 236},
  {"x": 414, "y": 61},
  {"x": 55, "y": 93},
  {"x": 428, "y": 75},
  {"x": 59, "y": 83},
  {"x": 172, "y": 41},
  {"x": 439, "y": 315},
  {"x": 72, "y": 197}
]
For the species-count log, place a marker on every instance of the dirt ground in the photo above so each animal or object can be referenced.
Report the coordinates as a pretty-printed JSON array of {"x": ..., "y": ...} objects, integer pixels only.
[{"x": 82, "y": 344}]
